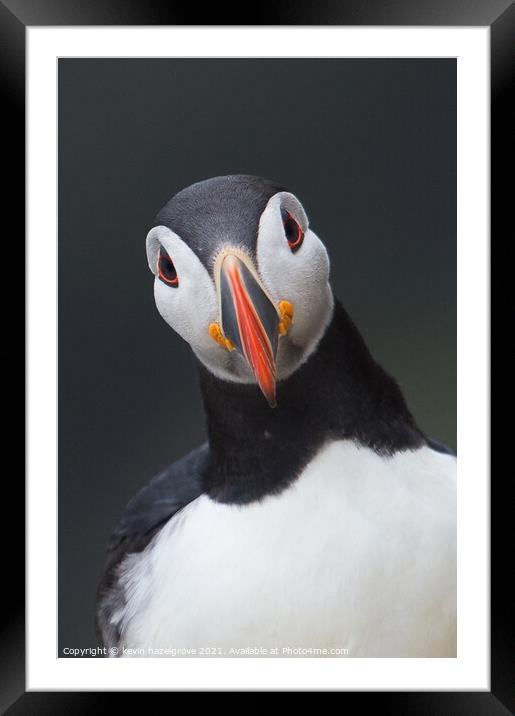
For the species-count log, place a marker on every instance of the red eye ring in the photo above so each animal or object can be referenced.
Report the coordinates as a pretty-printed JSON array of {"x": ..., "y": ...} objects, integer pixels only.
[
  {"x": 166, "y": 270},
  {"x": 292, "y": 230}
]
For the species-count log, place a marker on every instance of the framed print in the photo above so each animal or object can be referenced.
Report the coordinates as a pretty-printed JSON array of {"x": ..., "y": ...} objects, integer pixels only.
[{"x": 305, "y": 204}]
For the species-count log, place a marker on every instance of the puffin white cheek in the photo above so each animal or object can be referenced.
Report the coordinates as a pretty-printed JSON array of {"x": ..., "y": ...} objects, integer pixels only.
[
  {"x": 301, "y": 278},
  {"x": 188, "y": 309},
  {"x": 307, "y": 284}
]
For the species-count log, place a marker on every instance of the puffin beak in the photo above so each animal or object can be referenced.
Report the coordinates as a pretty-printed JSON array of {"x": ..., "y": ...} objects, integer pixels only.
[{"x": 250, "y": 320}]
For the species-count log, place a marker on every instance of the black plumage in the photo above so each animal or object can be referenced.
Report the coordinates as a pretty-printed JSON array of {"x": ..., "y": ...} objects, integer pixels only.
[{"x": 340, "y": 392}]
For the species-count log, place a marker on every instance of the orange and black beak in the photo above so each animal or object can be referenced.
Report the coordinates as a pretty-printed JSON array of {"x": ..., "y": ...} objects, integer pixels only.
[{"x": 249, "y": 319}]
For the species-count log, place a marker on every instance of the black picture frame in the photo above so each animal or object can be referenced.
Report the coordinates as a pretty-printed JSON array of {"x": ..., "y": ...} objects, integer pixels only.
[{"x": 15, "y": 17}]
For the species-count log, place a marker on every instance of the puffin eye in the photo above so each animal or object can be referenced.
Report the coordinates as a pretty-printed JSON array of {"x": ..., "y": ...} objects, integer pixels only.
[
  {"x": 166, "y": 270},
  {"x": 293, "y": 231}
]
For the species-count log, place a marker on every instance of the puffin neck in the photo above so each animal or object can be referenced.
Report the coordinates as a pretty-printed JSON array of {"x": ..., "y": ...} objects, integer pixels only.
[{"x": 339, "y": 393}]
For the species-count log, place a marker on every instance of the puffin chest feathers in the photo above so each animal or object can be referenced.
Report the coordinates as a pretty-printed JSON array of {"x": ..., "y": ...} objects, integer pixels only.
[{"x": 357, "y": 555}]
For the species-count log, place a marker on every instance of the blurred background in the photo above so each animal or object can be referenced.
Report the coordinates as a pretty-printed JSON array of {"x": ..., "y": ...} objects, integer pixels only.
[{"x": 369, "y": 147}]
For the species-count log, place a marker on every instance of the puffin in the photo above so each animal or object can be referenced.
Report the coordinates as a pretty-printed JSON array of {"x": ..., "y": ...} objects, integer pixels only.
[{"x": 317, "y": 519}]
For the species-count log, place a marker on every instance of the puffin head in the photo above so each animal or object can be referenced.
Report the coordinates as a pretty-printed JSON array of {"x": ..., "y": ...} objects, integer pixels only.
[{"x": 242, "y": 278}]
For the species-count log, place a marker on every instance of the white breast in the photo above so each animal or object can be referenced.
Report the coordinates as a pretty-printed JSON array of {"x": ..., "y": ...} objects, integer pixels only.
[{"x": 359, "y": 554}]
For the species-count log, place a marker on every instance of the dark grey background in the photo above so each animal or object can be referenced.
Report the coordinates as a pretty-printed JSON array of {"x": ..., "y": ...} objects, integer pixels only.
[{"x": 369, "y": 146}]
